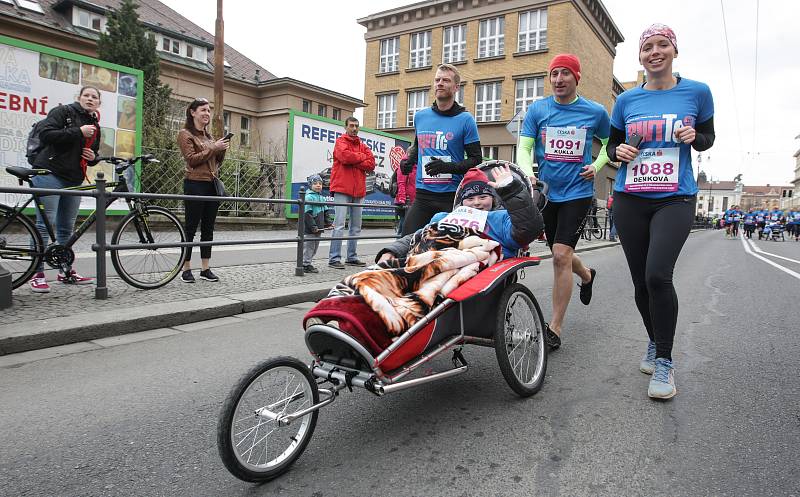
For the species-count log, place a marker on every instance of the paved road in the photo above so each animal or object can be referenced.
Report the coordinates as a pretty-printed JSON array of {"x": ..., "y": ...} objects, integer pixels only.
[{"x": 139, "y": 418}]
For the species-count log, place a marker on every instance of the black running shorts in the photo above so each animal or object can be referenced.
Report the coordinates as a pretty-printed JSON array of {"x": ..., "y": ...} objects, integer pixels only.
[{"x": 564, "y": 221}]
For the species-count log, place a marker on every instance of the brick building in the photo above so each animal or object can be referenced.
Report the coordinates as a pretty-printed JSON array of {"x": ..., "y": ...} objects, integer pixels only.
[
  {"x": 502, "y": 49},
  {"x": 256, "y": 101}
]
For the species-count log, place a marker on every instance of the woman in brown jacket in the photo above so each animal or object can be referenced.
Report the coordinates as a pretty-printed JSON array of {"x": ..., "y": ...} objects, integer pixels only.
[{"x": 203, "y": 156}]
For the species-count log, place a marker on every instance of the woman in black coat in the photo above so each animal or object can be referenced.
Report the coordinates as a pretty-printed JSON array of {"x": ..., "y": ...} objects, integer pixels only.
[{"x": 70, "y": 136}]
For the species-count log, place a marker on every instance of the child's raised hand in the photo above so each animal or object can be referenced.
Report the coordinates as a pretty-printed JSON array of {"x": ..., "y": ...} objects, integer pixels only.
[{"x": 502, "y": 176}]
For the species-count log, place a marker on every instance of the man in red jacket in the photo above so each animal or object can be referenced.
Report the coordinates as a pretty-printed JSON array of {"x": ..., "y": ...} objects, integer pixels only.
[{"x": 352, "y": 160}]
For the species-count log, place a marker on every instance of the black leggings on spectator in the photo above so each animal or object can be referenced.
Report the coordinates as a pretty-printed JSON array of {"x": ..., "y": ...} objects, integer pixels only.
[
  {"x": 426, "y": 205},
  {"x": 199, "y": 212},
  {"x": 652, "y": 233}
]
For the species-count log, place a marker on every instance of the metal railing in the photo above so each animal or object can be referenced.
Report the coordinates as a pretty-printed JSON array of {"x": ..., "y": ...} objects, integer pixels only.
[
  {"x": 101, "y": 247},
  {"x": 250, "y": 177}
]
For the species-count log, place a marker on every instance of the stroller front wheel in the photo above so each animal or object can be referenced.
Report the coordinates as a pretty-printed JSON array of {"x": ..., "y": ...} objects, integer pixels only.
[
  {"x": 519, "y": 340},
  {"x": 256, "y": 447}
]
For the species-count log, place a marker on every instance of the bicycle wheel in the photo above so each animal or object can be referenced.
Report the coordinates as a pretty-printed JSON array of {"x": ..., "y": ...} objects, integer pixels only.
[
  {"x": 255, "y": 447},
  {"x": 597, "y": 232},
  {"x": 21, "y": 246},
  {"x": 148, "y": 268},
  {"x": 519, "y": 340}
]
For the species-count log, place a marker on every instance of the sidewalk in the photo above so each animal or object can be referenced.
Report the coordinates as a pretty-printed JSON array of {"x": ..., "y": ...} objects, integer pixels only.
[{"x": 71, "y": 314}]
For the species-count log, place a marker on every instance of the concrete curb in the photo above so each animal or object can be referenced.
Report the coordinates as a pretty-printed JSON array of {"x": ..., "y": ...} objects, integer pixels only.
[{"x": 40, "y": 334}]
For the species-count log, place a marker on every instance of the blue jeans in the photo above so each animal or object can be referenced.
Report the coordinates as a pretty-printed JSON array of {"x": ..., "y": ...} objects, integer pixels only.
[
  {"x": 612, "y": 234},
  {"x": 340, "y": 213},
  {"x": 61, "y": 210}
]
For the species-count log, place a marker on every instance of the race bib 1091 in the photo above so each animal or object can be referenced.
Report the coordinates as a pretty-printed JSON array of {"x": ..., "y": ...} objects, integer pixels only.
[
  {"x": 565, "y": 144},
  {"x": 654, "y": 170}
]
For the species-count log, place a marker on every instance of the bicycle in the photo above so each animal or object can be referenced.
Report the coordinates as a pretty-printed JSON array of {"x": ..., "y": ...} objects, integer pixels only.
[
  {"x": 22, "y": 248},
  {"x": 592, "y": 227}
]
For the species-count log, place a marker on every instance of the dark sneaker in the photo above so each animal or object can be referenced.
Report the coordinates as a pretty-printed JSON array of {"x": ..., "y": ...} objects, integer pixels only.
[
  {"x": 553, "y": 341},
  {"x": 187, "y": 276},
  {"x": 356, "y": 262},
  {"x": 208, "y": 275},
  {"x": 336, "y": 265},
  {"x": 586, "y": 289},
  {"x": 310, "y": 269}
]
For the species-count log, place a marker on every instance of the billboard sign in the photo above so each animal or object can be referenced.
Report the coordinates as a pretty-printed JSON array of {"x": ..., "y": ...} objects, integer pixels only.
[
  {"x": 311, "y": 142},
  {"x": 35, "y": 79}
]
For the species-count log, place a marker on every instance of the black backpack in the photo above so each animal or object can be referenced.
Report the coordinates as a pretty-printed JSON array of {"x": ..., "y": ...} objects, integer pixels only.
[{"x": 34, "y": 144}]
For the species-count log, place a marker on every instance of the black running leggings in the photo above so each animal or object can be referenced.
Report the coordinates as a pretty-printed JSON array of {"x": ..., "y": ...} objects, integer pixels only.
[
  {"x": 425, "y": 205},
  {"x": 652, "y": 233},
  {"x": 200, "y": 212}
]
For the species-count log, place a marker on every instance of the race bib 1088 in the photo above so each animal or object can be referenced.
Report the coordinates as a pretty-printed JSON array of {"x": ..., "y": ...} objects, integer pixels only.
[{"x": 654, "y": 170}]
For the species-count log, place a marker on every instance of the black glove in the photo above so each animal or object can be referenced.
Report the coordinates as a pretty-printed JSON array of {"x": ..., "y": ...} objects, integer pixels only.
[
  {"x": 437, "y": 166},
  {"x": 406, "y": 166}
]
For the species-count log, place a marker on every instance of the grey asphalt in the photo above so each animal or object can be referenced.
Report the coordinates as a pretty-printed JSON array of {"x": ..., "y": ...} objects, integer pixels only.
[
  {"x": 251, "y": 279},
  {"x": 136, "y": 415}
]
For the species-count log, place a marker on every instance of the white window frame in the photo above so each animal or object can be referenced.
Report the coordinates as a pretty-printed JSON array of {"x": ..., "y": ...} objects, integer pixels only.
[
  {"x": 90, "y": 17},
  {"x": 226, "y": 121},
  {"x": 389, "y": 55},
  {"x": 419, "y": 50},
  {"x": 531, "y": 89},
  {"x": 308, "y": 106},
  {"x": 387, "y": 111},
  {"x": 417, "y": 100},
  {"x": 454, "y": 44},
  {"x": 459, "y": 96},
  {"x": 532, "y": 30},
  {"x": 322, "y": 110},
  {"x": 490, "y": 152},
  {"x": 488, "y": 99},
  {"x": 244, "y": 131},
  {"x": 491, "y": 37},
  {"x": 336, "y": 114}
]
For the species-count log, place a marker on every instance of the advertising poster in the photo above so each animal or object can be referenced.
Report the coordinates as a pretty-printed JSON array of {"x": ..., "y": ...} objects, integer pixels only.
[
  {"x": 35, "y": 79},
  {"x": 311, "y": 142}
]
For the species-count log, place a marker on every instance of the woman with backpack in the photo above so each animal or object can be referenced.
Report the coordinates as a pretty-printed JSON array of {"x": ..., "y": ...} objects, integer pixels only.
[{"x": 70, "y": 138}]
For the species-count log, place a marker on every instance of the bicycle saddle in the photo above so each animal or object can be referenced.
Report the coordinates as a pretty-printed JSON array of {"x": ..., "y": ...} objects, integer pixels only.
[{"x": 24, "y": 173}]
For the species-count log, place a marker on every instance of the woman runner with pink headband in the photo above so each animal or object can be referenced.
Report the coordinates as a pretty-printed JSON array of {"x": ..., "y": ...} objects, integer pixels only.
[{"x": 653, "y": 129}]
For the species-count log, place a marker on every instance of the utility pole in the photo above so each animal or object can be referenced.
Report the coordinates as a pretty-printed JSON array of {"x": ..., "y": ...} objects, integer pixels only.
[{"x": 219, "y": 73}]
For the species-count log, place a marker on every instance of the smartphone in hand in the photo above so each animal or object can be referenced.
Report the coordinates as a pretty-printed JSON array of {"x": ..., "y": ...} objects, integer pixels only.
[
  {"x": 228, "y": 137},
  {"x": 634, "y": 140}
]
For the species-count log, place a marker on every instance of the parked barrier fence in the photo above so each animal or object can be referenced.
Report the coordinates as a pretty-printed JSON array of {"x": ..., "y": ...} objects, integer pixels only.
[{"x": 101, "y": 247}]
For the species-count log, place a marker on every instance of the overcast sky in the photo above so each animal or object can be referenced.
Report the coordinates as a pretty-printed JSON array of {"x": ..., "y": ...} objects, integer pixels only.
[{"x": 320, "y": 42}]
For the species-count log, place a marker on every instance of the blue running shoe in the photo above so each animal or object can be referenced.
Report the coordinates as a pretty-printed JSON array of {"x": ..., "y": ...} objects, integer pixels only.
[
  {"x": 662, "y": 384},
  {"x": 648, "y": 364}
]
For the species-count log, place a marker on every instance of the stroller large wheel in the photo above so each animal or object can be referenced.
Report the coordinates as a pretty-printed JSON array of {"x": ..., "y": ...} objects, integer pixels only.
[
  {"x": 255, "y": 448},
  {"x": 519, "y": 340}
]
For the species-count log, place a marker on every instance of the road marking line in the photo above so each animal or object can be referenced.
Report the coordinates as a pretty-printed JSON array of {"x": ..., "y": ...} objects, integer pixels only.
[
  {"x": 757, "y": 249},
  {"x": 785, "y": 270}
]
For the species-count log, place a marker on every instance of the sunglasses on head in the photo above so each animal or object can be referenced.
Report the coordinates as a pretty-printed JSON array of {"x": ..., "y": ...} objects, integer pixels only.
[{"x": 202, "y": 100}]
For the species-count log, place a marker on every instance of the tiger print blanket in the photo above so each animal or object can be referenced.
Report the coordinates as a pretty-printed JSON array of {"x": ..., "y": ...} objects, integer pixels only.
[{"x": 402, "y": 291}]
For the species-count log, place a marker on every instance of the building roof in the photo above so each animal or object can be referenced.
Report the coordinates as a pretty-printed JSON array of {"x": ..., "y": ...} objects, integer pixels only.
[
  {"x": 596, "y": 7},
  {"x": 156, "y": 17},
  {"x": 766, "y": 189},
  {"x": 717, "y": 185}
]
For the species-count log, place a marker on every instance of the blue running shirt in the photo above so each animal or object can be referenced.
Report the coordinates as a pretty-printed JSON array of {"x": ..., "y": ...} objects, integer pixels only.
[
  {"x": 664, "y": 166},
  {"x": 442, "y": 137},
  {"x": 563, "y": 137}
]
